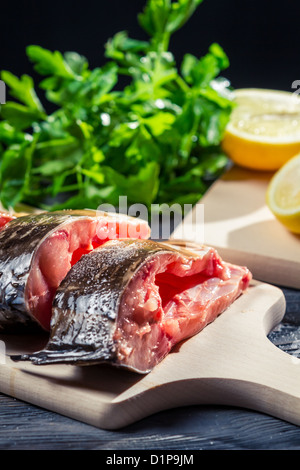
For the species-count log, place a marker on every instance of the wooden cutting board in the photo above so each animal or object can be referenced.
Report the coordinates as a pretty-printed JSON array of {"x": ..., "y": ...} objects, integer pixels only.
[
  {"x": 239, "y": 224},
  {"x": 231, "y": 362}
]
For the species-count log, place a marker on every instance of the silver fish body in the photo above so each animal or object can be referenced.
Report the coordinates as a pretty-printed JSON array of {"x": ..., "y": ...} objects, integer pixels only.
[{"x": 130, "y": 302}]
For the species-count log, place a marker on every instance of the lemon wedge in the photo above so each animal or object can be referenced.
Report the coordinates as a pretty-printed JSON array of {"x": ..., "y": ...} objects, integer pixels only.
[
  {"x": 283, "y": 194},
  {"x": 264, "y": 129}
]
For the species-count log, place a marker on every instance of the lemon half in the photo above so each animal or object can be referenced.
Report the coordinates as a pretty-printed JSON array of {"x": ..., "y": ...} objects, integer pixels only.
[
  {"x": 283, "y": 194},
  {"x": 264, "y": 129}
]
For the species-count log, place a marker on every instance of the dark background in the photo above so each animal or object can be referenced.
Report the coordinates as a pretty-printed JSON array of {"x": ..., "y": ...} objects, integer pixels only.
[{"x": 260, "y": 37}]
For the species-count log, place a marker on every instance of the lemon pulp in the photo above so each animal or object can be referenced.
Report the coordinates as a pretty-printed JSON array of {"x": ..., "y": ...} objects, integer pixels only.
[
  {"x": 264, "y": 129},
  {"x": 283, "y": 194},
  {"x": 288, "y": 194}
]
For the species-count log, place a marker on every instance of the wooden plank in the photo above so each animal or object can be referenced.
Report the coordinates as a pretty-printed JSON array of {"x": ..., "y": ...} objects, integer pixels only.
[{"x": 238, "y": 223}]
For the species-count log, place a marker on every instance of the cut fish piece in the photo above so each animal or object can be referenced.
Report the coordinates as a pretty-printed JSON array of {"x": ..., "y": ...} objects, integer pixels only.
[
  {"x": 37, "y": 251},
  {"x": 131, "y": 301},
  {"x": 5, "y": 217}
]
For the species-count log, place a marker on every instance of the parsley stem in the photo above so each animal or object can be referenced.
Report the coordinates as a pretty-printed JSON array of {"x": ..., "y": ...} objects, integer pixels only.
[{"x": 183, "y": 85}]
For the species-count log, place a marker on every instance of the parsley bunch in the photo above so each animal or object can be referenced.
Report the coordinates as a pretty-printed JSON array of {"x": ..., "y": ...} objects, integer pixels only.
[{"x": 156, "y": 140}]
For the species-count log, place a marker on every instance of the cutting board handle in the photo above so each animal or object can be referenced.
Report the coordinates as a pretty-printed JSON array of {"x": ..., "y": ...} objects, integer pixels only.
[
  {"x": 270, "y": 383},
  {"x": 264, "y": 378}
]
